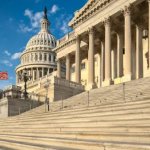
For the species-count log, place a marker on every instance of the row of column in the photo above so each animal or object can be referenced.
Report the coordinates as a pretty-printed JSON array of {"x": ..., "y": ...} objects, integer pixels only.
[
  {"x": 38, "y": 57},
  {"x": 106, "y": 53},
  {"x": 35, "y": 73}
]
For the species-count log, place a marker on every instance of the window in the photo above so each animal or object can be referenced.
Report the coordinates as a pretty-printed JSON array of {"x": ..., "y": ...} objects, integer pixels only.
[
  {"x": 40, "y": 56},
  {"x": 54, "y": 58},
  {"x": 49, "y": 57},
  {"x": 40, "y": 75},
  {"x": 36, "y": 57},
  {"x": 72, "y": 69},
  {"x": 31, "y": 57},
  {"x": 45, "y": 57},
  {"x": 83, "y": 66}
]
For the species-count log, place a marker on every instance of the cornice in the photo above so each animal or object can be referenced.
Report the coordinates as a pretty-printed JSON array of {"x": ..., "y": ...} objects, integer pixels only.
[
  {"x": 35, "y": 51},
  {"x": 88, "y": 10},
  {"x": 65, "y": 44},
  {"x": 30, "y": 65}
]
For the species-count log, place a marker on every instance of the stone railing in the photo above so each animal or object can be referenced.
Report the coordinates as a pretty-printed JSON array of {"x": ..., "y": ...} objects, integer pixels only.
[
  {"x": 90, "y": 9},
  {"x": 12, "y": 87},
  {"x": 67, "y": 83},
  {"x": 67, "y": 37}
]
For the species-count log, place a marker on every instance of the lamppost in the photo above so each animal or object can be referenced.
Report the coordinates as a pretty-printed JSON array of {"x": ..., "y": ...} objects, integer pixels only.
[
  {"x": 46, "y": 86},
  {"x": 25, "y": 77}
]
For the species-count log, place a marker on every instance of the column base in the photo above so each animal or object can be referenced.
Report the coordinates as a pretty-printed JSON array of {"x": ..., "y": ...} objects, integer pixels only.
[
  {"x": 118, "y": 80},
  {"x": 107, "y": 83},
  {"x": 127, "y": 78},
  {"x": 147, "y": 73},
  {"x": 91, "y": 86}
]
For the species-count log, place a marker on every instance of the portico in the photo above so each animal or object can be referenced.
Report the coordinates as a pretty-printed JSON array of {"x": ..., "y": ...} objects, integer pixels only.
[{"x": 110, "y": 43}]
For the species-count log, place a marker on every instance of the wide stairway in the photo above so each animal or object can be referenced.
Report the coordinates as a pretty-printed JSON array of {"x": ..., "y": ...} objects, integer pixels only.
[{"x": 110, "y": 118}]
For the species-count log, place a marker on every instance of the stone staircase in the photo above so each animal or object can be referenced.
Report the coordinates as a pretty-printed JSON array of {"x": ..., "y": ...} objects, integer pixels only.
[{"x": 110, "y": 118}]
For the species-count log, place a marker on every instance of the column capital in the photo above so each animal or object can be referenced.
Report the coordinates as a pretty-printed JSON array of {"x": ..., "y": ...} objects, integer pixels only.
[
  {"x": 139, "y": 26},
  {"x": 68, "y": 55},
  {"x": 127, "y": 10},
  {"x": 107, "y": 21},
  {"x": 77, "y": 37},
  {"x": 91, "y": 30}
]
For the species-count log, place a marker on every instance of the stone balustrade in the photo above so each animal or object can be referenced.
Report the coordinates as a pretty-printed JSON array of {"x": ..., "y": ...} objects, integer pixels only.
[
  {"x": 66, "y": 38},
  {"x": 67, "y": 83}
]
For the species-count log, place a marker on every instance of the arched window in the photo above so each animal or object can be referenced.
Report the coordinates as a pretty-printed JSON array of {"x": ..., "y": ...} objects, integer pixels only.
[
  {"x": 45, "y": 57},
  {"x": 40, "y": 56},
  {"x": 31, "y": 57},
  {"x": 36, "y": 57},
  {"x": 54, "y": 58},
  {"x": 49, "y": 57}
]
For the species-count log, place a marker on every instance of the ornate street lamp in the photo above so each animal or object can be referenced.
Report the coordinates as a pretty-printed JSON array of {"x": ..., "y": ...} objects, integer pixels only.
[
  {"x": 145, "y": 33},
  {"x": 46, "y": 86},
  {"x": 25, "y": 77}
]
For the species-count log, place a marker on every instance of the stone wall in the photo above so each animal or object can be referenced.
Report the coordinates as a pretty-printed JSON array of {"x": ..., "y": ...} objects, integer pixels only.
[
  {"x": 64, "y": 89},
  {"x": 11, "y": 107},
  {"x": 4, "y": 108}
]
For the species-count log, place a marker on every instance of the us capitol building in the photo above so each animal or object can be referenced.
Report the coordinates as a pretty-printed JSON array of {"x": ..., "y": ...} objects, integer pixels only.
[{"x": 109, "y": 45}]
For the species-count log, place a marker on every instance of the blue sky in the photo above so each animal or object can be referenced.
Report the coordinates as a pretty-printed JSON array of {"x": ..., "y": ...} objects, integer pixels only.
[{"x": 20, "y": 20}]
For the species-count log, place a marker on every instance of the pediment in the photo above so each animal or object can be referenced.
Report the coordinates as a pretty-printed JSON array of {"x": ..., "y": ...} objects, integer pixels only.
[{"x": 88, "y": 9}]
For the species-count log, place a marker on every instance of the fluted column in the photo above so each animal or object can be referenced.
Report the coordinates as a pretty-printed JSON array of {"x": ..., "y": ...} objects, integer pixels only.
[
  {"x": 33, "y": 74},
  {"x": 58, "y": 68},
  {"x": 42, "y": 56},
  {"x": 91, "y": 70},
  {"x": 68, "y": 67},
  {"x": 48, "y": 70},
  {"x": 107, "y": 52},
  {"x": 38, "y": 56},
  {"x": 37, "y": 73},
  {"x": 114, "y": 63},
  {"x": 42, "y": 72},
  {"x": 77, "y": 61},
  {"x": 119, "y": 55},
  {"x": 139, "y": 52},
  {"x": 52, "y": 58},
  {"x": 102, "y": 59},
  {"x": 128, "y": 68}
]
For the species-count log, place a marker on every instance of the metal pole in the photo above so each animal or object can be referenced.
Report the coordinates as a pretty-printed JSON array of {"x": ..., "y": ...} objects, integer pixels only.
[
  {"x": 62, "y": 103},
  {"x": 88, "y": 98},
  {"x": 19, "y": 110},
  {"x": 30, "y": 107},
  {"x": 124, "y": 92},
  {"x": 45, "y": 105}
]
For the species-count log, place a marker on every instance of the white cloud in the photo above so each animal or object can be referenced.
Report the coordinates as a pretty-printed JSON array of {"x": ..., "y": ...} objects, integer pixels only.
[
  {"x": 7, "y": 53},
  {"x": 16, "y": 56},
  {"x": 24, "y": 28},
  {"x": 54, "y": 9},
  {"x": 7, "y": 63},
  {"x": 34, "y": 18},
  {"x": 62, "y": 23}
]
